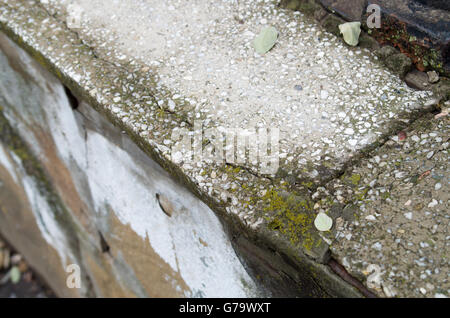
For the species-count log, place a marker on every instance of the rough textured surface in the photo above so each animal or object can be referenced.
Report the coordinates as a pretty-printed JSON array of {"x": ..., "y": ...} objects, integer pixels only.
[
  {"x": 396, "y": 214},
  {"x": 346, "y": 116},
  {"x": 399, "y": 63},
  {"x": 211, "y": 60},
  {"x": 332, "y": 105},
  {"x": 418, "y": 80}
]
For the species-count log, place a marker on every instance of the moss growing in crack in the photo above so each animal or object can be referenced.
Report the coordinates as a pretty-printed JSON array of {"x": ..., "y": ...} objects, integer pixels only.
[
  {"x": 308, "y": 185},
  {"x": 355, "y": 179},
  {"x": 433, "y": 60},
  {"x": 293, "y": 217},
  {"x": 275, "y": 224},
  {"x": 385, "y": 195},
  {"x": 360, "y": 196},
  {"x": 230, "y": 170},
  {"x": 395, "y": 33}
]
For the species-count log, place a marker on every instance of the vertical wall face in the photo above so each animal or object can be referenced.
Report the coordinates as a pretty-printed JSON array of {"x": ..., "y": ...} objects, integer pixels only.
[{"x": 75, "y": 190}]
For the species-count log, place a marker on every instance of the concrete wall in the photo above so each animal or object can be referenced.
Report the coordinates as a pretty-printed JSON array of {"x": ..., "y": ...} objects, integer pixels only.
[{"x": 75, "y": 190}]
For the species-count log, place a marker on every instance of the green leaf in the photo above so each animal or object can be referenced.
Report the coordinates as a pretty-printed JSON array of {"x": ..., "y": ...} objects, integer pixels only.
[
  {"x": 14, "y": 274},
  {"x": 323, "y": 222},
  {"x": 351, "y": 32},
  {"x": 265, "y": 40}
]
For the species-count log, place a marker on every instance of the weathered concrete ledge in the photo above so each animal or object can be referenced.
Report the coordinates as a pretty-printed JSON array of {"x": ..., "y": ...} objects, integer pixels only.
[{"x": 333, "y": 106}]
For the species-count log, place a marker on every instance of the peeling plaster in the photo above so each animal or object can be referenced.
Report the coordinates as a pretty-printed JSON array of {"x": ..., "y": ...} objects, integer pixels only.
[
  {"x": 43, "y": 213},
  {"x": 116, "y": 180}
]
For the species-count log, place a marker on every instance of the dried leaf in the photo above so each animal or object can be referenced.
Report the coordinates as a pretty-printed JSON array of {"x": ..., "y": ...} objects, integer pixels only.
[
  {"x": 351, "y": 32},
  {"x": 443, "y": 113},
  {"x": 265, "y": 40},
  {"x": 425, "y": 174},
  {"x": 401, "y": 136},
  {"x": 323, "y": 222},
  {"x": 6, "y": 258},
  {"x": 14, "y": 274},
  {"x": 166, "y": 206}
]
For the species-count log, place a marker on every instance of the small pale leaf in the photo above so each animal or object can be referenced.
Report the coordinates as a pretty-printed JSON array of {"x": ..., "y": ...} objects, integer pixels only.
[
  {"x": 351, "y": 32},
  {"x": 14, "y": 274},
  {"x": 323, "y": 222},
  {"x": 265, "y": 40}
]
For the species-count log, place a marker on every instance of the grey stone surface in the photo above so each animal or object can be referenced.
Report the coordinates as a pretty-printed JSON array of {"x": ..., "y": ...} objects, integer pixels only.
[
  {"x": 399, "y": 63},
  {"x": 394, "y": 235},
  {"x": 211, "y": 67},
  {"x": 350, "y": 10},
  {"x": 418, "y": 80}
]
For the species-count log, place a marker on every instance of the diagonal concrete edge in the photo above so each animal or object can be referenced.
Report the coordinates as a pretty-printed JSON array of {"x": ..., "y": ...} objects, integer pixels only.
[{"x": 276, "y": 210}]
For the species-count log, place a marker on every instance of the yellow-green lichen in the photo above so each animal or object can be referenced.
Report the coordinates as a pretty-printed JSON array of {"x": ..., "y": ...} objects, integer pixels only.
[
  {"x": 355, "y": 178},
  {"x": 293, "y": 217}
]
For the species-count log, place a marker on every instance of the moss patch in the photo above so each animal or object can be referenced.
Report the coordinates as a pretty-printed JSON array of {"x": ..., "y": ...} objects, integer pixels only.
[{"x": 293, "y": 217}]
